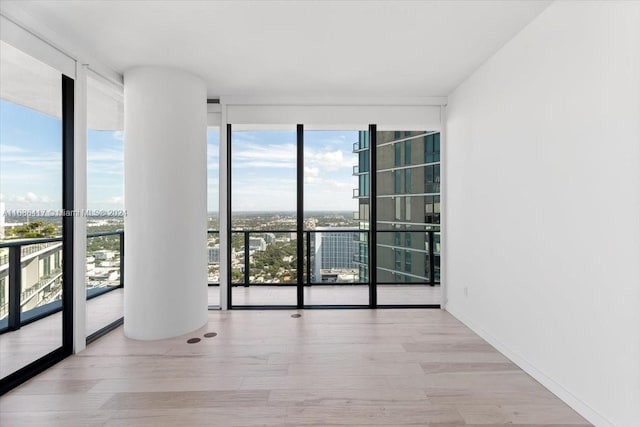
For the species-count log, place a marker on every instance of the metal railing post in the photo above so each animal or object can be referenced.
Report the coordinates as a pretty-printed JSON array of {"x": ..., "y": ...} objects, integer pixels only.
[
  {"x": 121, "y": 235},
  {"x": 432, "y": 278},
  {"x": 246, "y": 258},
  {"x": 15, "y": 287},
  {"x": 308, "y": 257}
]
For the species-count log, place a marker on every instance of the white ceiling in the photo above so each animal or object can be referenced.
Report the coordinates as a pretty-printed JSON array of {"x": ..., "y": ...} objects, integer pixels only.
[{"x": 286, "y": 48}]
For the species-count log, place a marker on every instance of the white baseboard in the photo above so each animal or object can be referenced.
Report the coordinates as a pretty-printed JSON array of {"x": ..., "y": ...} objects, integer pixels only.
[{"x": 554, "y": 387}]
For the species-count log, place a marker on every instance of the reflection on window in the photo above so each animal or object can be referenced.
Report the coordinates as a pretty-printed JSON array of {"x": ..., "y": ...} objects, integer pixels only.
[
  {"x": 407, "y": 180},
  {"x": 397, "y": 156},
  {"x": 31, "y": 202},
  {"x": 407, "y": 152},
  {"x": 397, "y": 176},
  {"x": 105, "y": 199},
  {"x": 414, "y": 209}
]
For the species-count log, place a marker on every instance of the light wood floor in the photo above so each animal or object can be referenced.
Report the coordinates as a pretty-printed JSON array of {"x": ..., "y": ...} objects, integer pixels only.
[
  {"x": 18, "y": 348},
  {"x": 21, "y": 347},
  {"x": 327, "y": 367}
]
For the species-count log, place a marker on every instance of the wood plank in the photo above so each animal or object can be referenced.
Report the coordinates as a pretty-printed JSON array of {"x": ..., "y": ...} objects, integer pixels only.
[{"x": 328, "y": 367}]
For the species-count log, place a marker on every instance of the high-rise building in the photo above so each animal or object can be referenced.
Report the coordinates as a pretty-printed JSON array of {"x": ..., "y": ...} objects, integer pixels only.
[
  {"x": 214, "y": 254},
  {"x": 334, "y": 250},
  {"x": 361, "y": 148},
  {"x": 257, "y": 244},
  {"x": 408, "y": 205},
  {"x": 2, "y": 214}
]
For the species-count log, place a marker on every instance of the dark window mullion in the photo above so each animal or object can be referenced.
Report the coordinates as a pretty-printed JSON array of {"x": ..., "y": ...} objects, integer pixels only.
[
  {"x": 229, "y": 224},
  {"x": 300, "y": 215},
  {"x": 67, "y": 207},
  {"x": 373, "y": 238}
]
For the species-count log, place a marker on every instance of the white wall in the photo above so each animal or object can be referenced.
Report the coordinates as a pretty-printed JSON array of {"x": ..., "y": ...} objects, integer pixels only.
[{"x": 543, "y": 205}]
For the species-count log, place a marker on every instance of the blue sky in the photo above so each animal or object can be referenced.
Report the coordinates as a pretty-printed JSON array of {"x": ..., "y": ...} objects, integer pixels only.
[
  {"x": 264, "y": 166},
  {"x": 264, "y": 170},
  {"x": 31, "y": 162},
  {"x": 30, "y": 158},
  {"x": 105, "y": 170}
]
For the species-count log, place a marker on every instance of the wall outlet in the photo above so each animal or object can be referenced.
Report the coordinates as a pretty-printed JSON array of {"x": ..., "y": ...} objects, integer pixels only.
[{"x": 466, "y": 292}]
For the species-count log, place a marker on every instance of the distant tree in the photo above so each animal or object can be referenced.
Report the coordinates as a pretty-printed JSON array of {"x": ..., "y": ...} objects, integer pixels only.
[
  {"x": 271, "y": 261},
  {"x": 32, "y": 230},
  {"x": 109, "y": 243}
]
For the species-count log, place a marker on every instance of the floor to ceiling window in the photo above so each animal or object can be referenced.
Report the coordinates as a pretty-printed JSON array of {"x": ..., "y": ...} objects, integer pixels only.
[
  {"x": 263, "y": 218},
  {"x": 213, "y": 217},
  {"x": 408, "y": 217},
  {"x": 36, "y": 122},
  {"x": 334, "y": 169},
  {"x": 105, "y": 204},
  {"x": 306, "y": 195}
]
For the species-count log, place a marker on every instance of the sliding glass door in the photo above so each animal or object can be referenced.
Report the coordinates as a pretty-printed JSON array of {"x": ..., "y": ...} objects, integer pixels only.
[
  {"x": 334, "y": 218},
  {"x": 264, "y": 217},
  {"x": 335, "y": 165},
  {"x": 105, "y": 206},
  {"x": 36, "y": 186},
  {"x": 408, "y": 217}
]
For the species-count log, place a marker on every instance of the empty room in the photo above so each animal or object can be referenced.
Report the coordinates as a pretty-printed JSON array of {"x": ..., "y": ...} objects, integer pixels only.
[{"x": 290, "y": 213}]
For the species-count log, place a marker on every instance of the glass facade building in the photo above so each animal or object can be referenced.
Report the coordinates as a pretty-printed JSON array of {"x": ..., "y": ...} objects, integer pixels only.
[{"x": 407, "y": 206}]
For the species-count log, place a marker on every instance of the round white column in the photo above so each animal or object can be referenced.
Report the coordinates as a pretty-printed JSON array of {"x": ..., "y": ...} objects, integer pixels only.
[{"x": 165, "y": 156}]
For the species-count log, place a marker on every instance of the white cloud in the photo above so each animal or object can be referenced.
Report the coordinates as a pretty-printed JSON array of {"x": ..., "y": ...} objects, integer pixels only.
[
  {"x": 329, "y": 161},
  {"x": 105, "y": 155},
  {"x": 5, "y": 149},
  {"x": 311, "y": 171},
  {"x": 31, "y": 197},
  {"x": 265, "y": 164},
  {"x": 213, "y": 151},
  {"x": 117, "y": 199},
  {"x": 268, "y": 156},
  {"x": 40, "y": 160},
  {"x": 339, "y": 185},
  {"x": 311, "y": 175}
]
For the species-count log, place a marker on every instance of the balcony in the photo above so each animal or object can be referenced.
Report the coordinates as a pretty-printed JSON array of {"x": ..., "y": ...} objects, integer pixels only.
[
  {"x": 33, "y": 311},
  {"x": 42, "y": 297},
  {"x": 337, "y": 285},
  {"x": 358, "y": 195},
  {"x": 250, "y": 250},
  {"x": 248, "y": 267},
  {"x": 357, "y": 148}
]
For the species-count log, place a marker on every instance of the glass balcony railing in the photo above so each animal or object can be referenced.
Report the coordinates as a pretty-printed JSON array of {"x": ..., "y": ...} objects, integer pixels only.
[
  {"x": 269, "y": 257},
  {"x": 213, "y": 257},
  {"x": 357, "y": 146},
  {"x": 105, "y": 262},
  {"x": 258, "y": 257},
  {"x": 408, "y": 256},
  {"x": 31, "y": 275}
]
